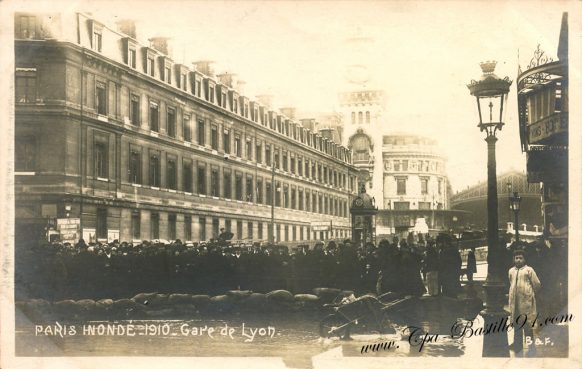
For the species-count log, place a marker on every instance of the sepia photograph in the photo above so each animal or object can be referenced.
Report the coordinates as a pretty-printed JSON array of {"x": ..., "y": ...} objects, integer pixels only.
[{"x": 289, "y": 184}]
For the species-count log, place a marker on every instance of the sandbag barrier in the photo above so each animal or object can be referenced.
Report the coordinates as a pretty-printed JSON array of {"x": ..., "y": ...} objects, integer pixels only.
[{"x": 174, "y": 306}]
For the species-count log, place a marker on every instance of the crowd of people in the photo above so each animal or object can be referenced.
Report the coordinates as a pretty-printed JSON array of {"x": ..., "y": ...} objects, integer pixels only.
[{"x": 120, "y": 269}]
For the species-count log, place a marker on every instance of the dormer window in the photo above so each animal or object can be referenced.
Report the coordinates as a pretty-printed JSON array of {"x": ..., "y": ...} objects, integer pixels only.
[
  {"x": 168, "y": 74},
  {"x": 150, "y": 62},
  {"x": 234, "y": 101},
  {"x": 197, "y": 90},
  {"x": 130, "y": 52},
  {"x": 223, "y": 99},
  {"x": 211, "y": 92},
  {"x": 96, "y": 36}
]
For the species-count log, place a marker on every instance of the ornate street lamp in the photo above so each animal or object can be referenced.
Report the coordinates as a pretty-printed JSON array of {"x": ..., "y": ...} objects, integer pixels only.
[
  {"x": 514, "y": 204},
  {"x": 491, "y": 94}
]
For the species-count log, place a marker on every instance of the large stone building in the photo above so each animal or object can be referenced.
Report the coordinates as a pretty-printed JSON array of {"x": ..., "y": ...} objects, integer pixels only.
[
  {"x": 473, "y": 203},
  {"x": 116, "y": 140},
  {"x": 416, "y": 187}
]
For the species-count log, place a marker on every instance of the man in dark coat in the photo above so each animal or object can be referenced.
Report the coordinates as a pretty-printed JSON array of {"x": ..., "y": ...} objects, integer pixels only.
[{"x": 471, "y": 264}]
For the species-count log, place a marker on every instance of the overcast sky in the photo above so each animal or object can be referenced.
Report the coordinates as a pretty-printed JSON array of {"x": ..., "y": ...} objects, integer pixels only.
[{"x": 423, "y": 56}]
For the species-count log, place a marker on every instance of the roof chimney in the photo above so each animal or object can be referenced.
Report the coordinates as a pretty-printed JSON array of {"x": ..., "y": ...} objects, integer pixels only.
[
  {"x": 226, "y": 79},
  {"x": 289, "y": 112},
  {"x": 326, "y": 133},
  {"x": 266, "y": 100},
  {"x": 161, "y": 44},
  {"x": 127, "y": 26},
  {"x": 205, "y": 67}
]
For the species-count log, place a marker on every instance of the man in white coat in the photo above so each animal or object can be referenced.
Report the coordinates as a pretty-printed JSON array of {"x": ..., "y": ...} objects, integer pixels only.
[{"x": 523, "y": 286}]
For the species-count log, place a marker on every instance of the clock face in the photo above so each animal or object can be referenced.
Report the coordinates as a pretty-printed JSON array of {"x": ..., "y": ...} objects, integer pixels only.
[{"x": 359, "y": 202}]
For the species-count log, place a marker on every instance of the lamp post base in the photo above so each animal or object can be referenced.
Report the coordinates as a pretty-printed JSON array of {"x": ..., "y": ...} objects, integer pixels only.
[{"x": 495, "y": 342}]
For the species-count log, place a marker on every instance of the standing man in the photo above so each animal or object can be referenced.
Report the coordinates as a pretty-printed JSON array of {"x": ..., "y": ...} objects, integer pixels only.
[
  {"x": 431, "y": 267},
  {"x": 523, "y": 286},
  {"x": 471, "y": 264}
]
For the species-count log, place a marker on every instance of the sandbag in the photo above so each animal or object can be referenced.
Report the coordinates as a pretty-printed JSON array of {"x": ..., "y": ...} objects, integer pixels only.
[
  {"x": 143, "y": 298},
  {"x": 280, "y": 296},
  {"x": 238, "y": 294},
  {"x": 179, "y": 299},
  {"x": 305, "y": 297}
]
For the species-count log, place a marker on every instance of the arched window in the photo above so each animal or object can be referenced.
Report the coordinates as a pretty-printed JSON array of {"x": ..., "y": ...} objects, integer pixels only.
[
  {"x": 353, "y": 117},
  {"x": 360, "y": 118},
  {"x": 368, "y": 117}
]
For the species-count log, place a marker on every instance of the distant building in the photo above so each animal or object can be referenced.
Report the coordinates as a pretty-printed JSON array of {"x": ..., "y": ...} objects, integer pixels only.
[
  {"x": 416, "y": 186},
  {"x": 473, "y": 202},
  {"x": 115, "y": 140}
]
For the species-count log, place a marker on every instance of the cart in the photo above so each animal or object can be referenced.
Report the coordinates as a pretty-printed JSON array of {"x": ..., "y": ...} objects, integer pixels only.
[{"x": 365, "y": 309}]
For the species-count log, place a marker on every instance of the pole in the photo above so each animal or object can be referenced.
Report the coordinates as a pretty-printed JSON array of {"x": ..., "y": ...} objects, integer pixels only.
[
  {"x": 516, "y": 213},
  {"x": 494, "y": 345},
  {"x": 273, "y": 190}
]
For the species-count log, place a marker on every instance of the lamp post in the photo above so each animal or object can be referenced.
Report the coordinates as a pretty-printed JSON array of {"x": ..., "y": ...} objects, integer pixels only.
[
  {"x": 514, "y": 204},
  {"x": 492, "y": 91}
]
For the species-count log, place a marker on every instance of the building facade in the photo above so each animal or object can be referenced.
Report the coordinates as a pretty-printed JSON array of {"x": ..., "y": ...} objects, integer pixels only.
[
  {"x": 542, "y": 99},
  {"x": 473, "y": 202},
  {"x": 115, "y": 140},
  {"x": 416, "y": 186}
]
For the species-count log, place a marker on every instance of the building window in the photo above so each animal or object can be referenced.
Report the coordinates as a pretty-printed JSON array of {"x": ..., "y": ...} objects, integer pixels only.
[
  {"x": 214, "y": 137},
  {"x": 424, "y": 205},
  {"x": 285, "y": 161},
  {"x": 223, "y": 99},
  {"x": 299, "y": 166},
  {"x": 269, "y": 193},
  {"x": 101, "y": 224},
  {"x": 404, "y": 165},
  {"x": 215, "y": 227},
  {"x": 293, "y": 165},
  {"x": 293, "y": 198},
  {"x": 226, "y": 141},
  {"x": 268, "y": 154},
  {"x": 227, "y": 225},
  {"x": 368, "y": 117},
  {"x": 168, "y": 74},
  {"x": 202, "y": 228},
  {"x": 259, "y": 191},
  {"x": 294, "y": 233},
  {"x": 101, "y": 160},
  {"x": 155, "y": 225},
  {"x": 239, "y": 230},
  {"x": 171, "y": 174},
  {"x": 171, "y": 123},
  {"x": 353, "y": 117},
  {"x": 227, "y": 183},
  {"x": 202, "y": 179},
  {"x": 211, "y": 94},
  {"x": 249, "y": 149},
  {"x": 101, "y": 98},
  {"x": 276, "y": 159},
  {"x": 186, "y": 129},
  {"x": 401, "y": 186},
  {"x": 155, "y": 170},
  {"x": 25, "y": 154},
  {"x": 286, "y": 233},
  {"x": 183, "y": 82},
  {"x": 187, "y": 227},
  {"x": 135, "y": 225},
  {"x": 27, "y": 26},
  {"x": 150, "y": 65},
  {"x": 260, "y": 231},
  {"x": 397, "y": 166},
  {"x": 249, "y": 189},
  {"x": 131, "y": 56},
  {"x": 278, "y": 233},
  {"x": 286, "y": 196},
  {"x": 154, "y": 117},
  {"x": 259, "y": 153},
  {"x": 198, "y": 87},
  {"x": 201, "y": 133},
  {"x": 97, "y": 40},
  {"x": 401, "y": 205},
  {"x": 187, "y": 176},
  {"x": 25, "y": 86},
  {"x": 135, "y": 166},
  {"x": 238, "y": 186},
  {"x": 307, "y": 201},
  {"x": 250, "y": 230},
  {"x": 300, "y": 199},
  {"x": 360, "y": 117},
  {"x": 237, "y": 146},
  {"x": 134, "y": 110},
  {"x": 214, "y": 182},
  {"x": 171, "y": 226},
  {"x": 424, "y": 186}
]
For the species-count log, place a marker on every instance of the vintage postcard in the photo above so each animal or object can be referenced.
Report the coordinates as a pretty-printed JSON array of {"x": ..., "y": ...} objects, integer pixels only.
[{"x": 294, "y": 184}]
